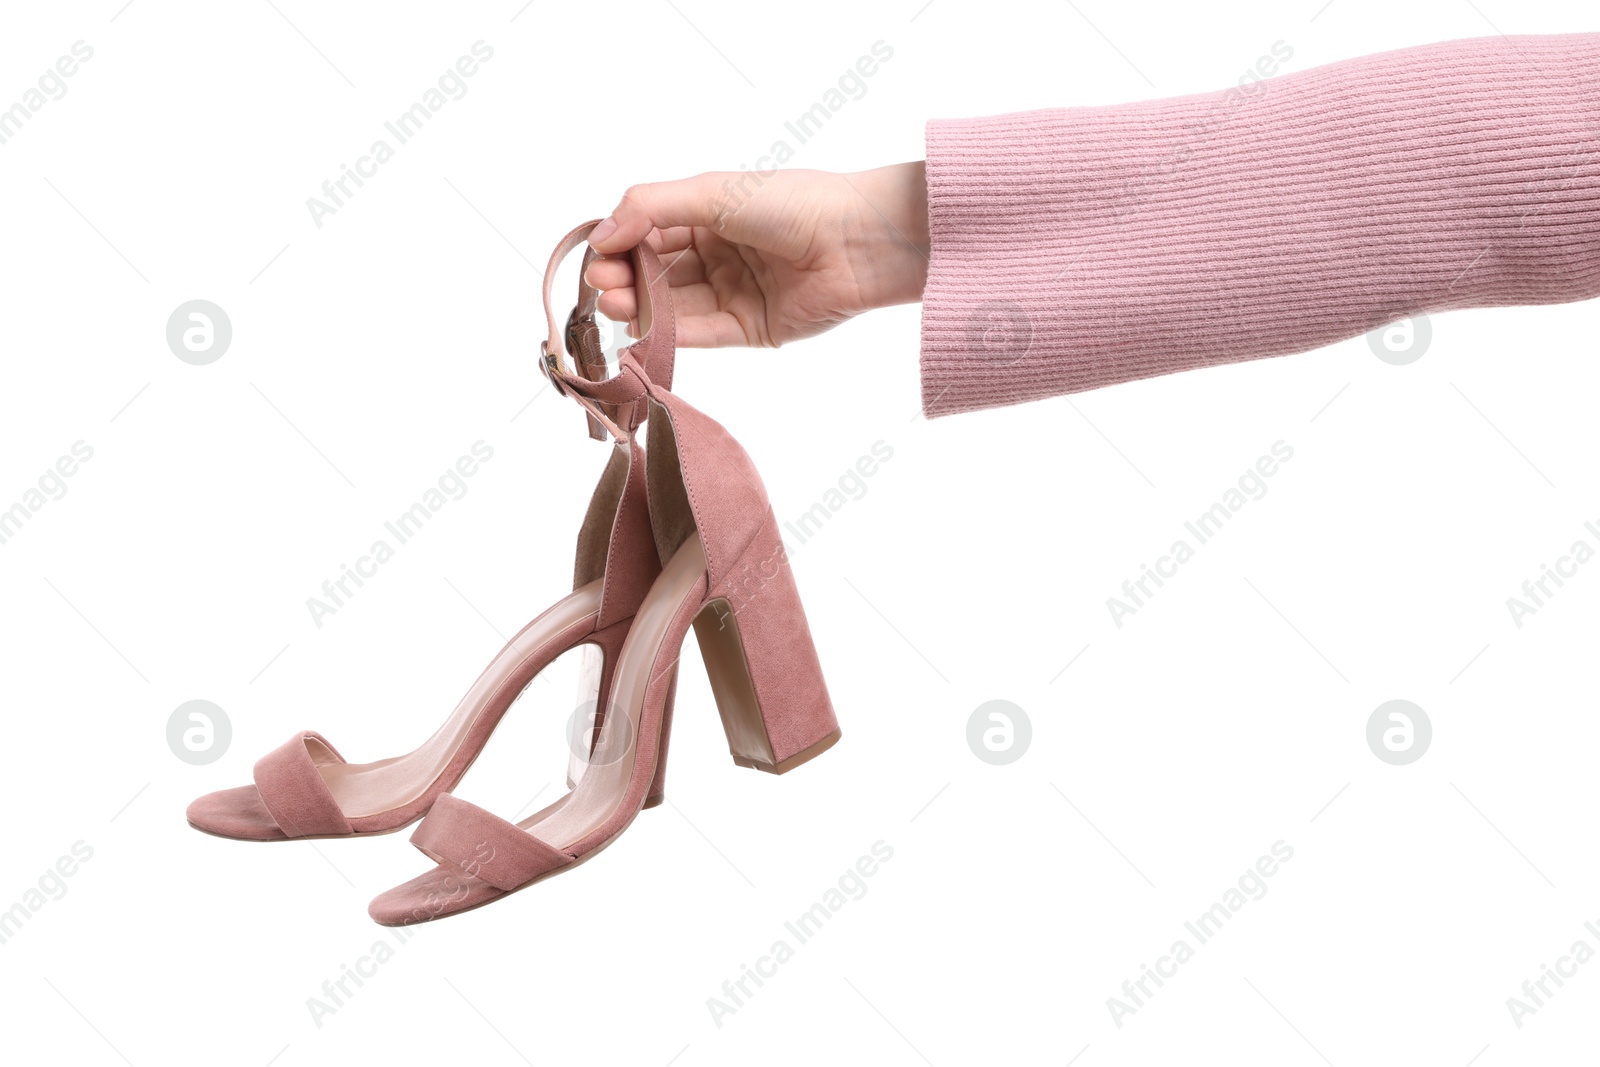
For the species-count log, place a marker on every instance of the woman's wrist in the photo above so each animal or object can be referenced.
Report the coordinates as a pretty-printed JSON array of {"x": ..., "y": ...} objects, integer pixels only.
[{"x": 892, "y": 232}]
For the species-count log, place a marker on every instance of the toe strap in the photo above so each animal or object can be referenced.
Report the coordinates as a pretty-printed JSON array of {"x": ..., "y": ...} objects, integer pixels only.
[
  {"x": 484, "y": 845},
  {"x": 293, "y": 790}
]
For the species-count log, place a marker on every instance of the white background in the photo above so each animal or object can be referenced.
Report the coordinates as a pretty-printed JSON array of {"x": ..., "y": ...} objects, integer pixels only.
[{"x": 370, "y": 353}]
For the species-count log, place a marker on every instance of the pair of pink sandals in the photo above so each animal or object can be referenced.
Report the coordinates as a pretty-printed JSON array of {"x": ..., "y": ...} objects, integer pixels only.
[{"x": 679, "y": 533}]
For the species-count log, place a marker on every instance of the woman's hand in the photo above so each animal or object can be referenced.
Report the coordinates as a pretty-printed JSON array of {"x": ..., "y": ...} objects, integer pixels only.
[{"x": 759, "y": 261}]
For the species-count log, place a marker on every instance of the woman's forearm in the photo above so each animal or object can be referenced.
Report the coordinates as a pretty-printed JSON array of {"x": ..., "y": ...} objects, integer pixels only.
[{"x": 1077, "y": 248}]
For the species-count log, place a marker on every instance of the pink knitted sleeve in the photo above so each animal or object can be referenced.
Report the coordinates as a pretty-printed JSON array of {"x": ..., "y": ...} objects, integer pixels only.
[{"x": 1082, "y": 247}]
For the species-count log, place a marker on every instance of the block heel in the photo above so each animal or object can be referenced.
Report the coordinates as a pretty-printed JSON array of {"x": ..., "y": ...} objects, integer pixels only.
[{"x": 762, "y": 663}]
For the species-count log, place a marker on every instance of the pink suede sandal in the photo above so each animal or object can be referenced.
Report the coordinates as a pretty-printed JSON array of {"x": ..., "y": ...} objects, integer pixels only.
[
  {"x": 305, "y": 789},
  {"x": 725, "y": 573}
]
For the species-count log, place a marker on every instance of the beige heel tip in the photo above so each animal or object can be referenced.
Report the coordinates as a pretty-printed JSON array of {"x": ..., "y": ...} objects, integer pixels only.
[{"x": 805, "y": 755}]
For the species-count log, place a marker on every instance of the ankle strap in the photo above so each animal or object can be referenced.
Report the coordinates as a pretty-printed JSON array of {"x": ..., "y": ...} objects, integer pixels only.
[{"x": 615, "y": 405}]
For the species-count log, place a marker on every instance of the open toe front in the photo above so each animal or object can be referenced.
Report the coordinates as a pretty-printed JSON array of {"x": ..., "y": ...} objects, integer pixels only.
[{"x": 238, "y": 812}]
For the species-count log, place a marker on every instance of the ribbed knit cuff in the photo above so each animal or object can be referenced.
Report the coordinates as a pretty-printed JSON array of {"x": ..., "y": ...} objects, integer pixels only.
[{"x": 1083, "y": 247}]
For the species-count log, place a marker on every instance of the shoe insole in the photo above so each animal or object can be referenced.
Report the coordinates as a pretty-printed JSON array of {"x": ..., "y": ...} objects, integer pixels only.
[
  {"x": 603, "y": 785},
  {"x": 368, "y": 788}
]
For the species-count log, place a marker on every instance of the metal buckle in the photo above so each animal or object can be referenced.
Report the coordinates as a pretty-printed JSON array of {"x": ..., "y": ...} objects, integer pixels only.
[{"x": 550, "y": 366}]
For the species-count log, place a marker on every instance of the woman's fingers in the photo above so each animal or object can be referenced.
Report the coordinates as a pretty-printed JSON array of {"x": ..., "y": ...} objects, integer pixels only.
[
  {"x": 684, "y": 267},
  {"x": 692, "y": 300},
  {"x": 688, "y": 202},
  {"x": 608, "y": 274},
  {"x": 718, "y": 329},
  {"x": 688, "y": 302},
  {"x": 673, "y": 238},
  {"x": 671, "y": 210},
  {"x": 619, "y": 305},
  {"x": 686, "y": 276},
  {"x": 700, "y": 319}
]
